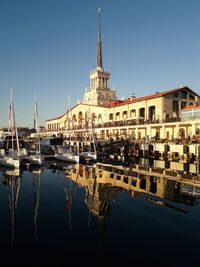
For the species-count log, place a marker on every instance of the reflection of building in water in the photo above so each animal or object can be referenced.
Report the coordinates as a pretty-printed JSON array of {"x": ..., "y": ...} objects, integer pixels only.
[
  {"x": 99, "y": 199},
  {"x": 99, "y": 196},
  {"x": 103, "y": 181}
]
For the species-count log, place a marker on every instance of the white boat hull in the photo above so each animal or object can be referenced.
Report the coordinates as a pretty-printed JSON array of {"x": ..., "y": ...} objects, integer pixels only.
[
  {"x": 10, "y": 162},
  {"x": 36, "y": 160},
  {"x": 88, "y": 156},
  {"x": 66, "y": 157}
]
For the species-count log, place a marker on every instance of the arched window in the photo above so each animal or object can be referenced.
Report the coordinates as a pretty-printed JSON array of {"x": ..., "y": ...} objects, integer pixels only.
[
  {"x": 111, "y": 116},
  {"x": 152, "y": 113},
  {"x": 93, "y": 117},
  {"x": 74, "y": 119},
  {"x": 142, "y": 113},
  {"x": 86, "y": 116},
  {"x": 133, "y": 113},
  {"x": 117, "y": 115},
  {"x": 99, "y": 118},
  {"x": 80, "y": 117},
  {"x": 125, "y": 114}
]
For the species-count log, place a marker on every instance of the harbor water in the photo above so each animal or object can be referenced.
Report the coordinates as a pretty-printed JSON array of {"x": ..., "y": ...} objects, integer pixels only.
[{"x": 77, "y": 215}]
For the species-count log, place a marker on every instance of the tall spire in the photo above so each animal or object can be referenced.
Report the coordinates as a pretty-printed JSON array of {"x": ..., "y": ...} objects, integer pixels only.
[
  {"x": 99, "y": 93},
  {"x": 99, "y": 52}
]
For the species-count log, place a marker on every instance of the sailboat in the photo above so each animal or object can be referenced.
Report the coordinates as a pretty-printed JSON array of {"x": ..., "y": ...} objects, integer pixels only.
[
  {"x": 67, "y": 155},
  {"x": 36, "y": 159},
  {"x": 13, "y": 158}
]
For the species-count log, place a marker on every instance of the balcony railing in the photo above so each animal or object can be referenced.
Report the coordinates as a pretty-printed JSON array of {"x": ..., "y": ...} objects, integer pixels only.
[{"x": 119, "y": 123}]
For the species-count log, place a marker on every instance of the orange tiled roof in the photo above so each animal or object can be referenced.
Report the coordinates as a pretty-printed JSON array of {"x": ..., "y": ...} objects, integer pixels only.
[
  {"x": 191, "y": 107},
  {"x": 116, "y": 103},
  {"x": 156, "y": 95}
]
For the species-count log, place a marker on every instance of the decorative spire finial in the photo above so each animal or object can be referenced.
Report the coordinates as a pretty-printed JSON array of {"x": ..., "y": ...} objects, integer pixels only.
[{"x": 99, "y": 51}]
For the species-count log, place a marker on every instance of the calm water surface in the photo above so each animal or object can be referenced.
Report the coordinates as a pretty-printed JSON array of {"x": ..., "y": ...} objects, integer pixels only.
[{"x": 81, "y": 216}]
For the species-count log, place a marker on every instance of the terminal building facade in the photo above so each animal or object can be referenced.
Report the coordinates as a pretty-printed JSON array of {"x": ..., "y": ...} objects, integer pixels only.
[{"x": 168, "y": 114}]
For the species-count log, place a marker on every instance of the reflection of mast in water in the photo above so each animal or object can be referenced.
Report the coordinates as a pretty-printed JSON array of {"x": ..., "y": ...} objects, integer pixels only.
[
  {"x": 93, "y": 193},
  {"x": 36, "y": 187},
  {"x": 13, "y": 200},
  {"x": 68, "y": 205},
  {"x": 12, "y": 212},
  {"x": 68, "y": 197}
]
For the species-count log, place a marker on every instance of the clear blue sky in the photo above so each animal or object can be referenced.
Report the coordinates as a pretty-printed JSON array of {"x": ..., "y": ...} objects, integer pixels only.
[{"x": 50, "y": 46}]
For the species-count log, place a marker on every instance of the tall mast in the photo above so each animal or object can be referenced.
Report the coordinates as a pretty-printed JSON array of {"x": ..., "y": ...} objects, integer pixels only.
[
  {"x": 37, "y": 123},
  {"x": 35, "y": 114},
  {"x": 11, "y": 119},
  {"x": 70, "y": 121},
  {"x": 99, "y": 50}
]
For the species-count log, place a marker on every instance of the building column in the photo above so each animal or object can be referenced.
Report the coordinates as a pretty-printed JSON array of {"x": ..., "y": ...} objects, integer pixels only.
[
  {"x": 146, "y": 115},
  {"x": 136, "y": 133},
  {"x": 177, "y": 131},
  {"x": 148, "y": 131},
  {"x": 186, "y": 132},
  {"x": 163, "y": 129},
  {"x": 193, "y": 128},
  {"x": 113, "y": 133},
  {"x": 127, "y": 132}
]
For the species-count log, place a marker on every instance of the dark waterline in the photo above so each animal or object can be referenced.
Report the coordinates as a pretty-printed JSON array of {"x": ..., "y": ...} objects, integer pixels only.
[{"x": 56, "y": 221}]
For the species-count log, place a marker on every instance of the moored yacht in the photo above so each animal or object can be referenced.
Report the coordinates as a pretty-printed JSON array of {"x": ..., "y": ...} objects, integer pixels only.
[
  {"x": 12, "y": 159},
  {"x": 36, "y": 159},
  {"x": 66, "y": 155},
  {"x": 88, "y": 156}
]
